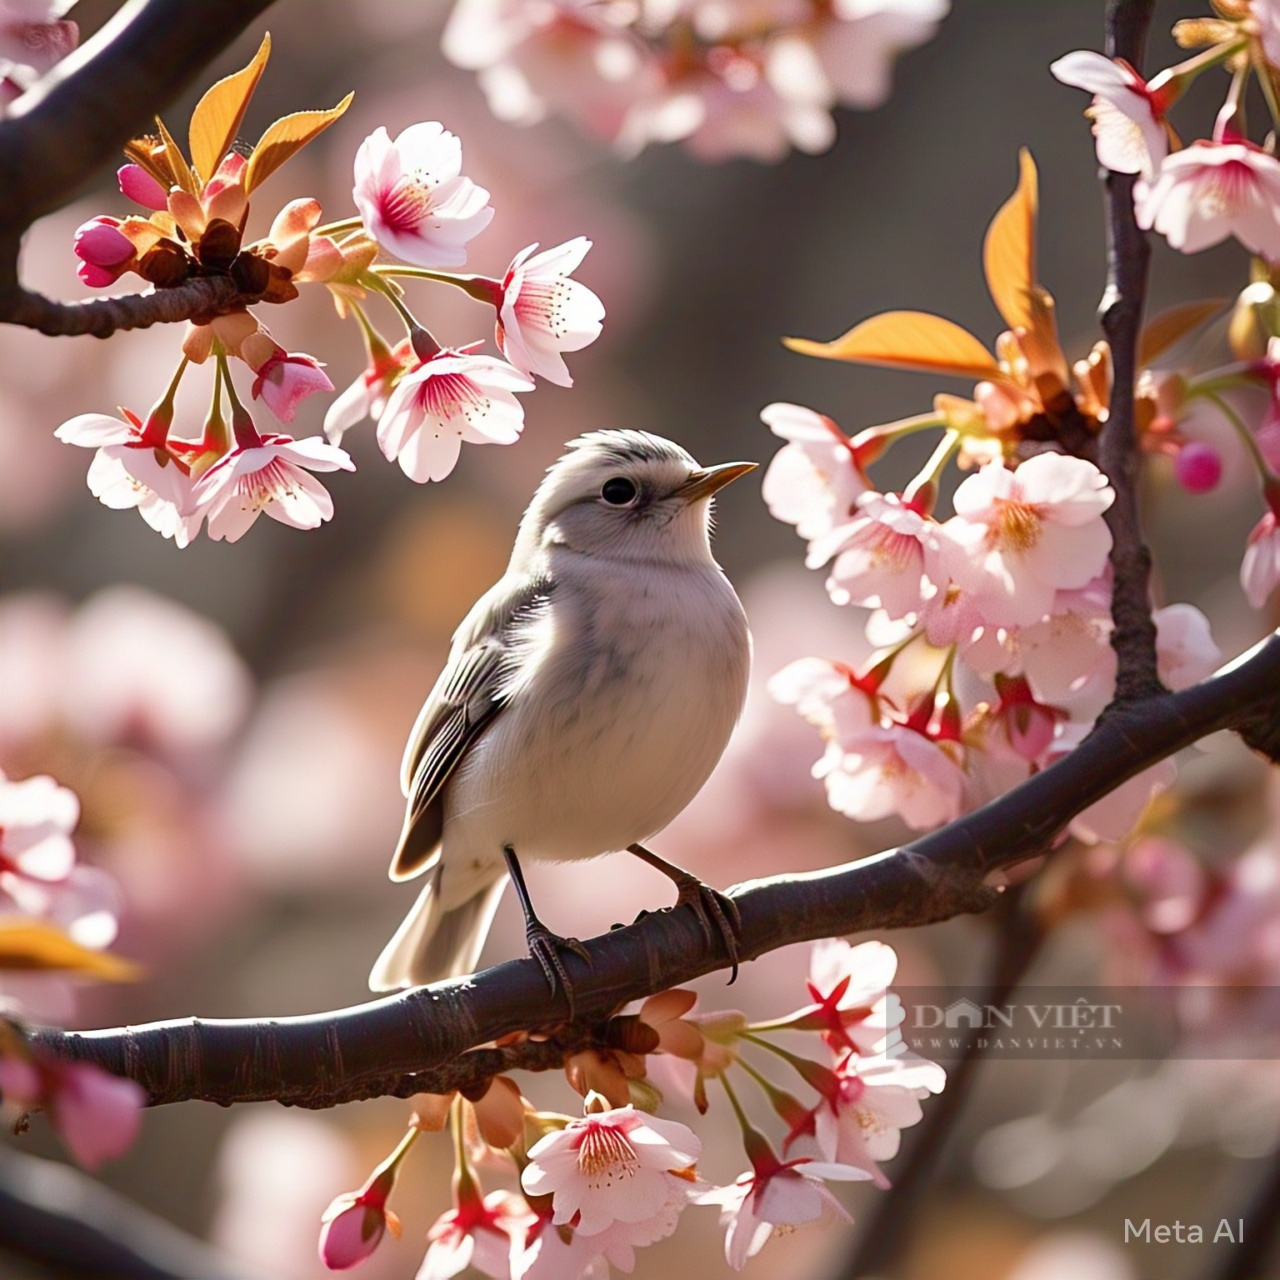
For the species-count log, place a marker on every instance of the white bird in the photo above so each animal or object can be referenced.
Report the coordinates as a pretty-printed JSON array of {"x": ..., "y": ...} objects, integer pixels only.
[{"x": 587, "y": 697}]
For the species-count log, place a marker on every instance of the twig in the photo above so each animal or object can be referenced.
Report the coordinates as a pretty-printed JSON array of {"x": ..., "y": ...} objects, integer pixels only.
[
  {"x": 368, "y": 1051},
  {"x": 1134, "y": 636},
  {"x": 883, "y": 1234}
]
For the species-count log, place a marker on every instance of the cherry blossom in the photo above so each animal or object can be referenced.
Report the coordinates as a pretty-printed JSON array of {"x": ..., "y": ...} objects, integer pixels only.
[
  {"x": 890, "y": 769},
  {"x": 542, "y": 312},
  {"x": 610, "y": 1166},
  {"x": 775, "y": 1194},
  {"x": 37, "y": 817},
  {"x": 1186, "y": 652},
  {"x": 354, "y": 1223},
  {"x": 1127, "y": 114},
  {"x": 879, "y": 555},
  {"x": 1212, "y": 190},
  {"x": 367, "y": 396},
  {"x": 1260, "y": 569},
  {"x": 453, "y": 397},
  {"x": 475, "y": 1233},
  {"x": 828, "y": 694},
  {"x": 1019, "y": 536},
  {"x": 860, "y": 1117},
  {"x": 850, "y": 989},
  {"x": 814, "y": 481},
  {"x": 140, "y": 187},
  {"x": 268, "y": 474},
  {"x": 105, "y": 253},
  {"x": 413, "y": 198},
  {"x": 96, "y": 1114},
  {"x": 134, "y": 468},
  {"x": 285, "y": 379}
]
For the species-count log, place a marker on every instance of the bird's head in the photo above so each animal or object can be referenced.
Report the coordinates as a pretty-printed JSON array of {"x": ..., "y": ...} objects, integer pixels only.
[{"x": 627, "y": 495}]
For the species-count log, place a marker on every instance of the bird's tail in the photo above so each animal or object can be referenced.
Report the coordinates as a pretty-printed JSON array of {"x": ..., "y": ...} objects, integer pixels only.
[{"x": 432, "y": 944}]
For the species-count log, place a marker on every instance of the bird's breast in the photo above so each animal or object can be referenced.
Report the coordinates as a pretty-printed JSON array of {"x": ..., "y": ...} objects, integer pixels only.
[{"x": 623, "y": 694}]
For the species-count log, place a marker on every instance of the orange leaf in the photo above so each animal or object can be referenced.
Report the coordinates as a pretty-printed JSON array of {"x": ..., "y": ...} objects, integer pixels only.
[
  {"x": 1009, "y": 251},
  {"x": 34, "y": 946},
  {"x": 1170, "y": 327},
  {"x": 287, "y": 136},
  {"x": 216, "y": 119},
  {"x": 177, "y": 162},
  {"x": 907, "y": 340}
]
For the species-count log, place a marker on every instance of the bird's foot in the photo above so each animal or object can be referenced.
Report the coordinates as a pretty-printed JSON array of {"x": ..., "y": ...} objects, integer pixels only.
[
  {"x": 545, "y": 947},
  {"x": 717, "y": 914}
]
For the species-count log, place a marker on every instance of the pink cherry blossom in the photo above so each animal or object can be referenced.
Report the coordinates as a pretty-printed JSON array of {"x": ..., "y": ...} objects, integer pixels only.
[
  {"x": 367, "y": 396},
  {"x": 879, "y": 555},
  {"x": 549, "y": 1252},
  {"x": 33, "y": 36},
  {"x": 1128, "y": 116},
  {"x": 1260, "y": 569},
  {"x": 850, "y": 989},
  {"x": 285, "y": 379},
  {"x": 828, "y": 694},
  {"x": 542, "y": 312},
  {"x": 134, "y": 468},
  {"x": 453, "y": 397},
  {"x": 413, "y": 198},
  {"x": 1211, "y": 190},
  {"x": 268, "y": 474},
  {"x": 860, "y": 1118},
  {"x": 477, "y": 1234},
  {"x": 37, "y": 817},
  {"x": 891, "y": 769},
  {"x": 775, "y": 1194},
  {"x": 96, "y": 1114},
  {"x": 814, "y": 481},
  {"x": 858, "y": 44},
  {"x": 105, "y": 253},
  {"x": 1019, "y": 536},
  {"x": 354, "y": 1223},
  {"x": 610, "y": 1166},
  {"x": 1186, "y": 652}
]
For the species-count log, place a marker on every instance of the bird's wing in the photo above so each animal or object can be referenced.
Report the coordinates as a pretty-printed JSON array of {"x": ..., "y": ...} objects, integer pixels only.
[{"x": 471, "y": 691}]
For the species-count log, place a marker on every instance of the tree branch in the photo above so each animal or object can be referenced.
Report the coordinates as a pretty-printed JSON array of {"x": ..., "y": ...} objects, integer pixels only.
[
  {"x": 1134, "y": 635},
  {"x": 419, "y": 1040}
]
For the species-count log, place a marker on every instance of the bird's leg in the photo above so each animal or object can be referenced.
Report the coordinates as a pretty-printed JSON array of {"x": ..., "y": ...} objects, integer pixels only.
[
  {"x": 710, "y": 905},
  {"x": 544, "y": 946}
]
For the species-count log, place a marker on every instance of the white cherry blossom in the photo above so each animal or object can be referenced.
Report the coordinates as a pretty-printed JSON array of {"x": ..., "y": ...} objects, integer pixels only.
[{"x": 413, "y": 198}]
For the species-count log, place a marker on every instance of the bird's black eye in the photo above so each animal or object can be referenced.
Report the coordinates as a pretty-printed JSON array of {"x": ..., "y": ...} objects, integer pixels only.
[{"x": 618, "y": 491}]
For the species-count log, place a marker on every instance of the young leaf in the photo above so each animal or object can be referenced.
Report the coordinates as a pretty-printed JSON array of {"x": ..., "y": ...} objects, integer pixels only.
[
  {"x": 216, "y": 119},
  {"x": 34, "y": 946},
  {"x": 1009, "y": 251},
  {"x": 177, "y": 162},
  {"x": 287, "y": 136},
  {"x": 907, "y": 340},
  {"x": 1170, "y": 327}
]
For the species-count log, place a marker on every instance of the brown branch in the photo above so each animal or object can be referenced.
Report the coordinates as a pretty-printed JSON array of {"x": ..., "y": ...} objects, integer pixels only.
[
  {"x": 1134, "y": 635},
  {"x": 101, "y": 317},
  {"x": 371, "y": 1050}
]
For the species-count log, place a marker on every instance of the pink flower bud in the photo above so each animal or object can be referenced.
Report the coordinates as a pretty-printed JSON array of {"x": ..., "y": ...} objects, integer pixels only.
[
  {"x": 1198, "y": 467},
  {"x": 141, "y": 187},
  {"x": 353, "y": 1232},
  {"x": 285, "y": 379},
  {"x": 104, "y": 252}
]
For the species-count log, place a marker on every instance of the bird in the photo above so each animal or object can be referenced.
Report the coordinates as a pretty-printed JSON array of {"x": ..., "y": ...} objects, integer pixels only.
[{"x": 586, "y": 698}]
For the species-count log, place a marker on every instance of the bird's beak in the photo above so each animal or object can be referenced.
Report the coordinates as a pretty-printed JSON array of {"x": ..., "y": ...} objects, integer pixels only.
[{"x": 705, "y": 481}]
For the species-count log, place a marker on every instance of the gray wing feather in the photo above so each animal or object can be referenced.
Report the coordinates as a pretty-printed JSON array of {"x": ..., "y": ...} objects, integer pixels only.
[{"x": 470, "y": 692}]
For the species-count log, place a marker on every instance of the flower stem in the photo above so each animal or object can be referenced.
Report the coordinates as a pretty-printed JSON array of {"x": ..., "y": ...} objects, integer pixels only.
[
  {"x": 1265, "y": 474},
  {"x": 341, "y": 227},
  {"x": 245, "y": 432},
  {"x": 922, "y": 492},
  {"x": 482, "y": 288}
]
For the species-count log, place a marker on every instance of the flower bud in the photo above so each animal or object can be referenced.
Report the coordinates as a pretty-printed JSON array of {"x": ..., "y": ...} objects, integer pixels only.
[{"x": 104, "y": 252}]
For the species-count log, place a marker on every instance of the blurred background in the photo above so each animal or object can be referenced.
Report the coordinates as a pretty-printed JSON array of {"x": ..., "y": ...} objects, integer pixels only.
[{"x": 233, "y": 716}]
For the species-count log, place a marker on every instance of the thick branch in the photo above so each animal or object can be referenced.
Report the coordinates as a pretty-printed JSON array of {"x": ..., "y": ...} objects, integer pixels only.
[
  {"x": 371, "y": 1050},
  {"x": 1134, "y": 636}
]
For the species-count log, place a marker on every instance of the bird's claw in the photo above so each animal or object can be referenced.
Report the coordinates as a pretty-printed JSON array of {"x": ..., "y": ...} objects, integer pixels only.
[
  {"x": 712, "y": 908},
  {"x": 545, "y": 947}
]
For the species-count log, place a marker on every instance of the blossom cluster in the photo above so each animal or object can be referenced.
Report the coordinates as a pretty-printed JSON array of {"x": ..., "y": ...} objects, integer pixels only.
[
  {"x": 595, "y": 1188},
  {"x": 989, "y": 630},
  {"x": 56, "y": 917},
  {"x": 417, "y": 212},
  {"x": 1197, "y": 195},
  {"x": 724, "y": 78}
]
